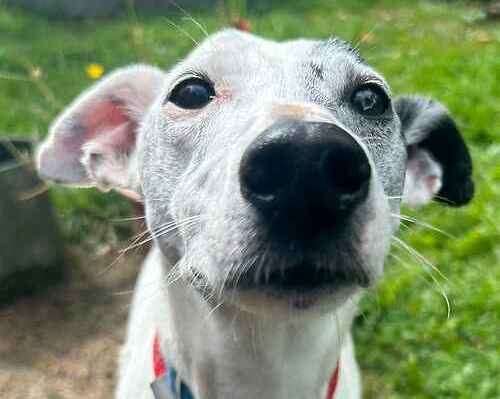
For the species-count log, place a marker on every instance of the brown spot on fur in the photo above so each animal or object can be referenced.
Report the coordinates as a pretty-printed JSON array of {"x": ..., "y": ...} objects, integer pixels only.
[{"x": 292, "y": 111}]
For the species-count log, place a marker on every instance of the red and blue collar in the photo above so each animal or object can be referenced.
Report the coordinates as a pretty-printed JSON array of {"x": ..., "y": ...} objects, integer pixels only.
[{"x": 168, "y": 384}]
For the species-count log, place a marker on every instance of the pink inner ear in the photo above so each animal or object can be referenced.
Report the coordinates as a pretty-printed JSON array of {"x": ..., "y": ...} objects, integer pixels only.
[
  {"x": 433, "y": 184},
  {"x": 100, "y": 123},
  {"x": 109, "y": 139},
  {"x": 423, "y": 178}
]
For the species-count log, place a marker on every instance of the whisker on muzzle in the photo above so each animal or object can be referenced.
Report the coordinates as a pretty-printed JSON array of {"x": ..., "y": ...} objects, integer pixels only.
[
  {"x": 429, "y": 267},
  {"x": 138, "y": 241},
  {"x": 429, "y": 226}
]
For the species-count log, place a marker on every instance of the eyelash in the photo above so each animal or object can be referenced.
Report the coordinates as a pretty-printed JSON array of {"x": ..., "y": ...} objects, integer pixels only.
[{"x": 193, "y": 73}]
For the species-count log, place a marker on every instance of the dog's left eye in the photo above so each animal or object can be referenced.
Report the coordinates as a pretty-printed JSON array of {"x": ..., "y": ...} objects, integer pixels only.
[
  {"x": 192, "y": 93},
  {"x": 370, "y": 100}
]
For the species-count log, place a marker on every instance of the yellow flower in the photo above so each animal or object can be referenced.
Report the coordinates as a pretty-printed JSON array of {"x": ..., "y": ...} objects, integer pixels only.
[
  {"x": 94, "y": 71},
  {"x": 35, "y": 73}
]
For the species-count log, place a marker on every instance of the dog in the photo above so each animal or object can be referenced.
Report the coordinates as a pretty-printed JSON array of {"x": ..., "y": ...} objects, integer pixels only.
[{"x": 272, "y": 175}]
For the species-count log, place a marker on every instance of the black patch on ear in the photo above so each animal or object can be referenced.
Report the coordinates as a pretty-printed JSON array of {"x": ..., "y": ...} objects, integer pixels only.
[
  {"x": 428, "y": 125},
  {"x": 447, "y": 145}
]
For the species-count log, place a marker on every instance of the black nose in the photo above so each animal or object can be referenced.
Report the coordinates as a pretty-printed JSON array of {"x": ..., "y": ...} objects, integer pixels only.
[{"x": 304, "y": 176}]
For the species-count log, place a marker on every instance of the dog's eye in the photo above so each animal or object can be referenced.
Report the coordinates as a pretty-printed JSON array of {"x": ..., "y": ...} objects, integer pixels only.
[
  {"x": 370, "y": 100},
  {"x": 192, "y": 93}
]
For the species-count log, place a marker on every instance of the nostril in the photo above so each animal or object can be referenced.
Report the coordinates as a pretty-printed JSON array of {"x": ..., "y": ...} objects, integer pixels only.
[
  {"x": 346, "y": 172},
  {"x": 346, "y": 169},
  {"x": 265, "y": 171}
]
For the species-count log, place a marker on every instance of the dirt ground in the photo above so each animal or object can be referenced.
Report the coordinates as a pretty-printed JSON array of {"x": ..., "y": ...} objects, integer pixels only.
[{"x": 64, "y": 343}]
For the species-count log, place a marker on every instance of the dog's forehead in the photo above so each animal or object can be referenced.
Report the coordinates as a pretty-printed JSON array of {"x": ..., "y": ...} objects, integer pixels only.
[{"x": 232, "y": 52}]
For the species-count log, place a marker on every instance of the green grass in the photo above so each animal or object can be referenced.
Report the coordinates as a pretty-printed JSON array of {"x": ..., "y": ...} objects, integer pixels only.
[{"x": 406, "y": 345}]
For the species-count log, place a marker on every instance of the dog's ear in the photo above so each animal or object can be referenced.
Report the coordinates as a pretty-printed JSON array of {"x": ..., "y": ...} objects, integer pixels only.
[
  {"x": 92, "y": 142},
  {"x": 439, "y": 164}
]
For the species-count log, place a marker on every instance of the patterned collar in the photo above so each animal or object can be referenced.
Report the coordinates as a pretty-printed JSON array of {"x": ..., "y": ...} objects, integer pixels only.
[{"x": 168, "y": 384}]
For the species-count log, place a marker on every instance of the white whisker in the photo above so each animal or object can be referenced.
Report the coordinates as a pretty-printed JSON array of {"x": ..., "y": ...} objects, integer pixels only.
[
  {"x": 426, "y": 262},
  {"x": 129, "y": 219},
  {"x": 423, "y": 224},
  {"x": 182, "y": 30}
]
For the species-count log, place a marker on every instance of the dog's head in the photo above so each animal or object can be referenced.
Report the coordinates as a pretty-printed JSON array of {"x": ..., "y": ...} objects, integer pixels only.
[{"x": 270, "y": 172}]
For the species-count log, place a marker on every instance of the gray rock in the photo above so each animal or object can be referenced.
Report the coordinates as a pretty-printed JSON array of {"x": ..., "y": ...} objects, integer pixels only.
[{"x": 30, "y": 245}]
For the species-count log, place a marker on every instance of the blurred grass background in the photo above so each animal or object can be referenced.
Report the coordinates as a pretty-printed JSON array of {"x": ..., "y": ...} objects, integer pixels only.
[{"x": 406, "y": 344}]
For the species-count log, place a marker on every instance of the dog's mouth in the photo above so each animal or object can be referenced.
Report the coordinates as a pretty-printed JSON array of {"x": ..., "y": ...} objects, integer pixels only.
[
  {"x": 300, "y": 286},
  {"x": 302, "y": 278}
]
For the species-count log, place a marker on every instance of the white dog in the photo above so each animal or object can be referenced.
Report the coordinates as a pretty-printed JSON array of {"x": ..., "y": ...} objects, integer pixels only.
[{"x": 269, "y": 172}]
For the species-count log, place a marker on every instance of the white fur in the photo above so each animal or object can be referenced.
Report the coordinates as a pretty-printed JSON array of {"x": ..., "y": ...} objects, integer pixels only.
[{"x": 251, "y": 355}]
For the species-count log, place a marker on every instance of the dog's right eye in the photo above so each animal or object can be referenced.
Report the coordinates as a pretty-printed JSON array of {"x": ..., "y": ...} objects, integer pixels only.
[{"x": 192, "y": 93}]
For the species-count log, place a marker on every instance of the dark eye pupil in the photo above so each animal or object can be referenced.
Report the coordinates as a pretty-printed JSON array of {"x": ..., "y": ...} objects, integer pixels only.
[
  {"x": 367, "y": 100},
  {"x": 193, "y": 93},
  {"x": 370, "y": 100}
]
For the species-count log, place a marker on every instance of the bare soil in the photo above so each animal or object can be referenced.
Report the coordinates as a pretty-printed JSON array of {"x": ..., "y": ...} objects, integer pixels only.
[{"x": 64, "y": 343}]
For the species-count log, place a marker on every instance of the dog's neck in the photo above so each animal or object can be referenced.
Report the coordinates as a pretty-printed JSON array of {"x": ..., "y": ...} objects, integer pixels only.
[{"x": 223, "y": 352}]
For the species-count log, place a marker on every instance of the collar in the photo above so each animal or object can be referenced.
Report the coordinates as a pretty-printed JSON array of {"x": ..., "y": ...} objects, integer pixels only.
[{"x": 168, "y": 384}]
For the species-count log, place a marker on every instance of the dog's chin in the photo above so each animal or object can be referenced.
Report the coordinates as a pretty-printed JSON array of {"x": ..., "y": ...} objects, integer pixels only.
[{"x": 286, "y": 303}]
